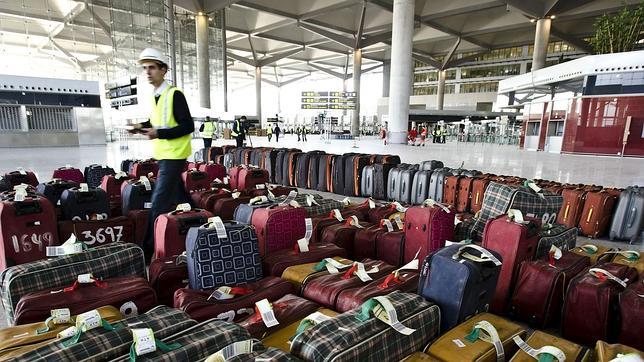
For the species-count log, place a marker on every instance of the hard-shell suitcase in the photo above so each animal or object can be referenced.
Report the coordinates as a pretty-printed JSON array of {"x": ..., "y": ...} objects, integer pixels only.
[
  {"x": 405, "y": 185},
  {"x": 26, "y": 228},
  {"x": 144, "y": 168},
  {"x": 69, "y": 173},
  {"x": 450, "y": 190},
  {"x": 367, "y": 181},
  {"x": 224, "y": 207},
  {"x": 572, "y": 206},
  {"x": 167, "y": 275},
  {"x": 353, "y": 174},
  {"x": 393, "y": 183},
  {"x": 605, "y": 352},
  {"x": 276, "y": 263},
  {"x": 137, "y": 195},
  {"x": 538, "y": 340},
  {"x": 430, "y": 165},
  {"x": 591, "y": 305},
  {"x": 278, "y": 227},
  {"x": 221, "y": 254},
  {"x": 380, "y": 180},
  {"x": 171, "y": 229},
  {"x": 539, "y": 292},
  {"x": 403, "y": 281},
  {"x": 94, "y": 174},
  {"x": 628, "y": 222},
  {"x": 427, "y": 227},
  {"x": 325, "y": 170},
  {"x": 420, "y": 187},
  {"x": 81, "y": 203},
  {"x": 632, "y": 315},
  {"x": 562, "y": 237},
  {"x": 21, "y": 176},
  {"x": 359, "y": 336},
  {"x": 287, "y": 310},
  {"x": 205, "y": 304},
  {"x": 516, "y": 242},
  {"x": 464, "y": 194},
  {"x": 343, "y": 234},
  {"x": 596, "y": 215},
  {"x": 299, "y": 275},
  {"x": 478, "y": 191},
  {"x": 437, "y": 184},
  {"x": 461, "y": 280},
  {"x": 95, "y": 233},
  {"x": 280, "y": 339},
  {"x": 467, "y": 342}
]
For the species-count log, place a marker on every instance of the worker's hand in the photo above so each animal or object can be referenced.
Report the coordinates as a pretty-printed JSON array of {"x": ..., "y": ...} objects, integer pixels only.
[{"x": 150, "y": 132}]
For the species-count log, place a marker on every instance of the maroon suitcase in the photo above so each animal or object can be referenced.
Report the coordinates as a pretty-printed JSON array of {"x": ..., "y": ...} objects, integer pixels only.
[
  {"x": 144, "y": 168},
  {"x": 26, "y": 229},
  {"x": 275, "y": 263},
  {"x": 213, "y": 170},
  {"x": 405, "y": 281},
  {"x": 288, "y": 309},
  {"x": 539, "y": 292},
  {"x": 249, "y": 178},
  {"x": 427, "y": 227},
  {"x": 195, "y": 180},
  {"x": 167, "y": 275},
  {"x": 225, "y": 207},
  {"x": 322, "y": 222},
  {"x": 69, "y": 173},
  {"x": 631, "y": 309},
  {"x": 131, "y": 295},
  {"x": 374, "y": 215},
  {"x": 365, "y": 240},
  {"x": 140, "y": 220},
  {"x": 590, "y": 310},
  {"x": 390, "y": 248},
  {"x": 206, "y": 199},
  {"x": 326, "y": 289},
  {"x": 171, "y": 229},
  {"x": 343, "y": 234},
  {"x": 15, "y": 178},
  {"x": 98, "y": 232},
  {"x": 515, "y": 242},
  {"x": 198, "y": 305},
  {"x": 112, "y": 185},
  {"x": 278, "y": 227}
]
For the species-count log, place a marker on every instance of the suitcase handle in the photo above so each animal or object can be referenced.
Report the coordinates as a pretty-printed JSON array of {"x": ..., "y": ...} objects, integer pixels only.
[
  {"x": 27, "y": 208},
  {"x": 492, "y": 337},
  {"x": 486, "y": 255},
  {"x": 191, "y": 222},
  {"x": 607, "y": 275}
]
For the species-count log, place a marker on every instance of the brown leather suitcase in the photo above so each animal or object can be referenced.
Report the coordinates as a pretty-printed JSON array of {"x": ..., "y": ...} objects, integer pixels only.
[
  {"x": 288, "y": 309},
  {"x": 573, "y": 205},
  {"x": 464, "y": 194},
  {"x": 605, "y": 352},
  {"x": 275, "y": 263},
  {"x": 478, "y": 191},
  {"x": 631, "y": 258},
  {"x": 450, "y": 190},
  {"x": 404, "y": 281},
  {"x": 597, "y": 213},
  {"x": 596, "y": 253},
  {"x": 571, "y": 351},
  {"x": 301, "y": 274}
]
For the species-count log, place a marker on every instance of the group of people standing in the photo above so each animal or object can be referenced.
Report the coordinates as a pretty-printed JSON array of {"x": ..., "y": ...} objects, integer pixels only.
[{"x": 276, "y": 130}]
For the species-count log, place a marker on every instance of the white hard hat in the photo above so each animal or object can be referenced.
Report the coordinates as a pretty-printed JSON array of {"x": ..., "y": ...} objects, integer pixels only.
[{"x": 152, "y": 54}]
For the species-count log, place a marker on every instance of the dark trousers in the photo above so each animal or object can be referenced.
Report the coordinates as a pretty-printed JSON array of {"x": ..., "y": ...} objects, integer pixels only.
[
  {"x": 168, "y": 192},
  {"x": 277, "y": 137},
  {"x": 207, "y": 142},
  {"x": 240, "y": 141},
  {"x": 270, "y": 135},
  {"x": 304, "y": 137}
]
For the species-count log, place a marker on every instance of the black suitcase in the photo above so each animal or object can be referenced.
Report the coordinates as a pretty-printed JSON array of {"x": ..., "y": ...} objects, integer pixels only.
[
  {"x": 77, "y": 204},
  {"x": 302, "y": 169},
  {"x": 94, "y": 174},
  {"x": 53, "y": 189},
  {"x": 135, "y": 196},
  {"x": 290, "y": 167},
  {"x": 270, "y": 161},
  {"x": 380, "y": 177},
  {"x": 325, "y": 168},
  {"x": 339, "y": 170},
  {"x": 126, "y": 165},
  {"x": 353, "y": 173},
  {"x": 279, "y": 166},
  {"x": 314, "y": 164}
]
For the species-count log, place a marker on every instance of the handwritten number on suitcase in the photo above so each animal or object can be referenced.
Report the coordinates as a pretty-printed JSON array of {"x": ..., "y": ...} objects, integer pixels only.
[
  {"x": 27, "y": 241},
  {"x": 115, "y": 234}
]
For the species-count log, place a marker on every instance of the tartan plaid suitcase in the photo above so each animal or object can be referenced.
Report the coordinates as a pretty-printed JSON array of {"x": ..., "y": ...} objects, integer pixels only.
[
  {"x": 405, "y": 281},
  {"x": 288, "y": 309},
  {"x": 105, "y": 262},
  {"x": 346, "y": 338},
  {"x": 561, "y": 236},
  {"x": 261, "y": 353},
  {"x": 281, "y": 339}
]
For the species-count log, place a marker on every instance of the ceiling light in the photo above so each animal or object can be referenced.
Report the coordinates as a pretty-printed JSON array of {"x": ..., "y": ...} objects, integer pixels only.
[
  {"x": 533, "y": 20},
  {"x": 200, "y": 13},
  {"x": 552, "y": 16}
]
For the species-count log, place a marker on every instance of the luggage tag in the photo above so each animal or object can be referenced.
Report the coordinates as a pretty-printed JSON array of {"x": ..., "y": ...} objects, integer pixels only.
[
  {"x": 372, "y": 204},
  {"x": 383, "y": 310},
  {"x": 332, "y": 266},
  {"x": 629, "y": 357},
  {"x": 346, "y": 201},
  {"x": 215, "y": 222},
  {"x": 223, "y": 293},
  {"x": 395, "y": 275},
  {"x": 265, "y": 309},
  {"x": 554, "y": 254},
  {"x": 226, "y": 180},
  {"x": 543, "y": 354},
  {"x": 21, "y": 171},
  {"x": 71, "y": 246},
  {"x": 353, "y": 221},
  {"x": 396, "y": 205},
  {"x": 359, "y": 270},
  {"x": 184, "y": 207},
  {"x": 308, "y": 322},
  {"x": 20, "y": 195},
  {"x": 260, "y": 186},
  {"x": 486, "y": 256},
  {"x": 68, "y": 166},
  {"x": 235, "y": 194},
  {"x": 146, "y": 183},
  {"x": 302, "y": 245},
  {"x": 516, "y": 216},
  {"x": 83, "y": 188},
  {"x": 462, "y": 242},
  {"x": 271, "y": 195},
  {"x": 490, "y": 336},
  {"x": 432, "y": 203},
  {"x": 85, "y": 279},
  {"x": 310, "y": 200},
  {"x": 531, "y": 185},
  {"x": 84, "y": 322},
  {"x": 258, "y": 200},
  {"x": 144, "y": 342},
  {"x": 232, "y": 350},
  {"x": 291, "y": 197},
  {"x": 119, "y": 175},
  {"x": 58, "y": 316},
  {"x": 603, "y": 275},
  {"x": 387, "y": 224},
  {"x": 399, "y": 223},
  {"x": 336, "y": 214}
]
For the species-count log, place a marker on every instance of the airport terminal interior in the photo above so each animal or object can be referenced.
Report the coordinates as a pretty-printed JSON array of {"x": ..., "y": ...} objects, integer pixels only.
[{"x": 322, "y": 180}]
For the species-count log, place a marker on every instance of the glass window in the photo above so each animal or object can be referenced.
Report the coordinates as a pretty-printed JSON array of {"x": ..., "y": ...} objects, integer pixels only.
[
  {"x": 492, "y": 71},
  {"x": 487, "y": 87}
]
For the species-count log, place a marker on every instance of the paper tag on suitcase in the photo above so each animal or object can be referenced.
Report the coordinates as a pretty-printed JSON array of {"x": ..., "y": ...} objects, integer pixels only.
[
  {"x": 555, "y": 352},
  {"x": 20, "y": 195},
  {"x": 303, "y": 245},
  {"x": 317, "y": 317},
  {"x": 143, "y": 341},
  {"x": 22, "y": 171},
  {"x": 215, "y": 222},
  {"x": 235, "y": 195},
  {"x": 67, "y": 333},
  {"x": 221, "y": 293},
  {"x": 231, "y": 351},
  {"x": 184, "y": 207},
  {"x": 146, "y": 183},
  {"x": 85, "y": 278},
  {"x": 362, "y": 273},
  {"x": 61, "y": 315},
  {"x": 516, "y": 215},
  {"x": 372, "y": 205},
  {"x": 71, "y": 246},
  {"x": 309, "y": 228},
  {"x": 386, "y": 312},
  {"x": 399, "y": 223},
  {"x": 147, "y": 205},
  {"x": 388, "y": 224},
  {"x": 119, "y": 175},
  {"x": 89, "y": 320},
  {"x": 260, "y": 186},
  {"x": 337, "y": 214},
  {"x": 266, "y": 311},
  {"x": 84, "y": 188}
]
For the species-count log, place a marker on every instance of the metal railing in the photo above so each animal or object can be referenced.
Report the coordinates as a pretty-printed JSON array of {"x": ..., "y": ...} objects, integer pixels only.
[
  {"x": 10, "y": 118},
  {"x": 50, "y": 118}
]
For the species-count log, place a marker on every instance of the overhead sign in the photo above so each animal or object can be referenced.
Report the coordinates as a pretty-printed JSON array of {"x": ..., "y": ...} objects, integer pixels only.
[
  {"x": 314, "y": 100},
  {"x": 343, "y": 106},
  {"x": 315, "y": 94},
  {"x": 329, "y": 100},
  {"x": 315, "y": 106},
  {"x": 343, "y": 94}
]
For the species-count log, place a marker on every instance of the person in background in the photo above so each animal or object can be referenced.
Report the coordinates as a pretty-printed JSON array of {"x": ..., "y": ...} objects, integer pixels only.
[
  {"x": 443, "y": 134},
  {"x": 269, "y": 132},
  {"x": 297, "y": 130},
  {"x": 277, "y": 133},
  {"x": 239, "y": 131},
  {"x": 383, "y": 133},
  {"x": 412, "y": 136},
  {"x": 423, "y": 136},
  {"x": 207, "y": 130},
  {"x": 303, "y": 130}
]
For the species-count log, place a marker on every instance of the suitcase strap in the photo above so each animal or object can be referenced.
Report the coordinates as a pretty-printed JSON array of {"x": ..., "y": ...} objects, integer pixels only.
[
  {"x": 602, "y": 275},
  {"x": 145, "y": 342},
  {"x": 486, "y": 255},
  {"x": 543, "y": 354},
  {"x": 491, "y": 337},
  {"x": 383, "y": 309}
]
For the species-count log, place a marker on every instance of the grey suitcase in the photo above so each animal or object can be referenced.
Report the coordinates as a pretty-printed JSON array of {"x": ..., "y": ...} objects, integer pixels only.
[
  {"x": 436, "y": 184},
  {"x": 406, "y": 181},
  {"x": 244, "y": 212},
  {"x": 366, "y": 183},
  {"x": 420, "y": 187},
  {"x": 430, "y": 165},
  {"x": 229, "y": 161},
  {"x": 393, "y": 181},
  {"x": 628, "y": 222}
]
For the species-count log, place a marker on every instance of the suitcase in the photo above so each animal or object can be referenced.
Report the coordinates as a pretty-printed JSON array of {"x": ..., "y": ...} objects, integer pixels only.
[
  {"x": 405, "y": 184},
  {"x": 245, "y": 178},
  {"x": 353, "y": 174},
  {"x": 137, "y": 195},
  {"x": 280, "y": 339},
  {"x": 359, "y": 336},
  {"x": 290, "y": 167},
  {"x": 343, "y": 234},
  {"x": 596, "y": 215},
  {"x": 171, "y": 230},
  {"x": 167, "y": 275},
  {"x": 403, "y": 281},
  {"x": 326, "y": 289},
  {"x": 194, "y": 180},
  {"x": 302, "y": 169},
  {"x": 95, "y": 233},
  {"x": 450, "y": 190},
  {"x": 69, "y": 173},
  {"x": 279, "y": 166},
  {"x": 244, "y": 212},
  {"x": 437, "y": 184},
  {"x": 132, "y": 295},
  {"x": 94, "y": 174},
  {"x": 366, "y": 181},
  {"x": 390, "y": 247},
  {"x": 595, "y": 293},
  {"x": 261, "y": 353},
  {"x": 537, "y": 340},
  {"x": 21, "y": 176},
  {"x": 387, "y": 159},
  {"x": 632, "y": 315},
  {"x": 278, "y": 227},
  {"x": 605, "y": 352},
  {"x": 299, "y": 275},
  {"x": 539, "y": 292},
  {"x": 229, "y": 161},
  {"x": 631, "y": 258},
  {"x": 144, "y": 168},
  {"x": 276, "y": 263},
  {"x": 84, "y": 204},
  {"x": 464, "y": 194},
  {"x": 112, "y": 185},
  {"x": 221, "y": 254},
  {"x": 26, "y": 228},
  {"x": 339, "y": 169},
  {"x": 430, "y": 165},
  {"x": 206, "y": 199},
  {"x": 561, "y": 236},
  {"x": 572, "y": 206},
  {"x": 420, "y": 187},
  {"x": 515, "y": 242},
  {"x": 364, "y": 241},
  {"x": 140, "y": 220},
  {"x": 596, "y": 253},
  {"x": 427, "y": 227},
  {"x": 628, "y": 223},
  {"x": 479, "y": 185},
  {"x": 393, "y": 183},
  {"x": 314, "y": 169},
  {"x": 380, "y": 180},
  {"x": 270, "y": 161},
  {"x": 287, "y": 309},
  {"x": 464, "y": 342},
  {"x": 202, "y": 304},
  {"x": 53, "y": 189},
  {"x": 225, "y": 207},
  {"x": 325, "y": 167},
  {"x": 126, "y": 165},
  {"x": 211, "y": 153}
]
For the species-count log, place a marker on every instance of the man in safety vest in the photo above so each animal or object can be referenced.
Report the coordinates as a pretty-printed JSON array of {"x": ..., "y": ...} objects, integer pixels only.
[
  {"x": 207, "y": 130},
  {"x": 239, "y": 131},
  {"x": 170, "y": 128}
]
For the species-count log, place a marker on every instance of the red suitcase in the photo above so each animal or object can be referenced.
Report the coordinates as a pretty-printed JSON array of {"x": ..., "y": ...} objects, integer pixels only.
[
  {"x": 515, "y": 242},
  {"x": 206, "y": 199},
  {"x": 98, "y": 232},
  {"x": 195, "y": 180},
  {"x": 275, "y": 263},
  {"x": 590, "y": 310},
  {"x": 140, "y": 220},
  {"x": 26, "y": 229},
  {"x": 288, "y": 309},
  {"x": 322, "y": 222},
  {"x": 278, "y": 190},
  {"x": 225, "y": 207},
  {"x": 539, "y": 292},
  {"x": 390, "y": 248},
  {"x": 326, "y": 289},
  {"x": 405, "y": 281},
  {"x": 478, "y": 191},
  {"x": 69, "y": 173},
  {"x": 170, "y": 230},
  {"x": 247, "y": 178},
  {"x": 374, "y": 215},
  {"x": 15, "y": 178},
  {"x": 193, "y": 165},
  {"x": 278, "y": 227},
  {"x": 200, "y": 306},
  {"x": 213, "y": 170},
  {"x": 144, "y": 168},
  {"x": 427, "y": 227},
  {"x": 343, "y": 234},
  {"x": 131, "y": 295},
  {"x": 167, "y": 275},
  {"x": 365, "y": 240},
  {"x": 464, "y": 194},
  {"x": 631, "y": 309},
  {"x": 450, "y": 190}
]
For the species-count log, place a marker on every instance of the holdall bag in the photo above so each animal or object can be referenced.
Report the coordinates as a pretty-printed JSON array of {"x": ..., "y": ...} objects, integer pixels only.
[
  {"x": 592, "y": 301},
  {"x": 171, "y": 229},
  {"x": 94, "y": 174},
  {"x": 213, "y": 170},
  {"x": 20, "y": 176},
  {"x": 130, "y": 294},
  {"x": 222, "y": 254},
  {"x": 278, "y": 227},
  {"x": 572, "y": 206},
  {"x": 301, "y": 274},
  {"x": 144, "y": 168},
  {"x": 281, "y": 339},
  {"x": 232, "y": 304},
  {"x": 547, "y": 345},
  {"x": 427, "y": 227},
  {"x": 482, "y": 338},
  {"x": 605, "y": 352},
  {"x": 27, "y": 227},
  {"x": 479, "y": 185},
  {"x": 596, "y": 253},
  {"x": 69, "y": 173},
  {"x": 167, "y": 275},
  {"x": 137, "y": 194},
  {"x": 195, "y": 180},
  {"x": 261, "y": 353},
  {"x": 400, "y": 280},
  {"x": 632, "y": 315},
  {"x": 560, "y": 236},
  {"x": 343, "y": 234},
  {"x": 53, "y": 189},
  {"x": 109, "y": 261},
  {"x": 420, "y": 187},
  {"x": 84, "y": 203},
  {"x": 362, "y": 335},
  {"x": 287, "y": 310},
  {"x": 627, "y": 223},
  {"x": 276, "y": 263},
  {"x": 98, "y": 232},
  {"x": 597, "y": 212},
  {"x": 540, "y": 288},
  {"x": 515, "y": 239}
]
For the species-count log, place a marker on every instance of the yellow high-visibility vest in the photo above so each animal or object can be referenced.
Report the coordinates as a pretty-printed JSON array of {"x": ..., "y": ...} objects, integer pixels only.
[
  {"x": 208, "y": 130},
  {"x": 163, "y": 117}
]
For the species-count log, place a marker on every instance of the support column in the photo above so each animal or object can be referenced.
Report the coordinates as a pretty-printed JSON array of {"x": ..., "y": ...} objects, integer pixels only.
[
  {"x": 440, "y": 92},
  {"x": 541, "y": 38},
  {"x": 386, "y": 80},
  {"x": 401, "y": 70},
  {"x": 203, "y": 60},
  {"x": 183, "y": 84},
  {"x": 357, "y": 72},
  {"x": 258, "y": 93},
  {"x": 173, "y": 52},
  {"x": 225, "y": 50}
]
